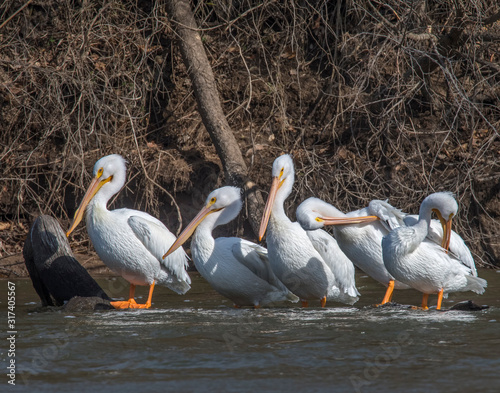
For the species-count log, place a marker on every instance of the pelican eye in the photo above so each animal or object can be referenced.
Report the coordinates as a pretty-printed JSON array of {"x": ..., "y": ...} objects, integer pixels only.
[
  {"x": 213, "y": 200},
  {"x": 99, "y": 172},
  {"x": 319, "y": 219},
  {"x": 281, "y": 172}
]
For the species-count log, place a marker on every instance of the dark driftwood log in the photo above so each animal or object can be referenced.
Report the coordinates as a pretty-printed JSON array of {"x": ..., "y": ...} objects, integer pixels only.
[
  {"x": 56, "y": 275},
  {"x": 468, "y": 305},
  {"x": 207, "y": 97}
]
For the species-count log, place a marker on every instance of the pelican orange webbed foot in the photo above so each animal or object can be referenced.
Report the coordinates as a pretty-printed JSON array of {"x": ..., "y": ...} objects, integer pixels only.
[
  {"x": 131, "y": 303},
  {"x": 419, "y": 308},
  {"x": 123, "y": 304},
  {"x": 424, "y": 306},
  {"x": 425, "y": 298}
]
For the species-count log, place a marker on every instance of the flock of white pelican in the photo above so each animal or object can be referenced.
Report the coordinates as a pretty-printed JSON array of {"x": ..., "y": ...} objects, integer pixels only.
[{"x": 301, "y": 261}]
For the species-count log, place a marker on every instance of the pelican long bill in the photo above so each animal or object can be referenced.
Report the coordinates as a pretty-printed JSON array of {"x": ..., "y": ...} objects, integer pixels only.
[
  {"x": 94, "y": 186},
  {"x": 347, "y": 220},
  {"x": 275, "y": 185},
  {"x": 447, "y": 235},
  {"x": 446, "y": 225},
  {"x": 188, "y": 231}
]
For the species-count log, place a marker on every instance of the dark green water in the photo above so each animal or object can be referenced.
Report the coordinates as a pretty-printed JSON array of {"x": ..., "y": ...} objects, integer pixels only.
[{"x": 200, "y": 343}]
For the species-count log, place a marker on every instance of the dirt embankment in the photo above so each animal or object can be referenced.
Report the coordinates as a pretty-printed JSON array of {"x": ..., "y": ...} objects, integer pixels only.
[{"x": 374, "y": 101}]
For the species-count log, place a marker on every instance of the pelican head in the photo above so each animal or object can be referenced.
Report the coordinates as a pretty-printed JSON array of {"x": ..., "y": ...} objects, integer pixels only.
[
  {"x": 444, "y": 205},
  {"x": 223, "y": 205},
  {"x": 282, "y": 183},
  {"x": 315, "y": 213},
  {"x": 109, "y": 177}
]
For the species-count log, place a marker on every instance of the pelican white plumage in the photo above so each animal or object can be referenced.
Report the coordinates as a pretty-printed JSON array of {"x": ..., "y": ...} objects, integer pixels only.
[
  {"x": 234, "y": 267},
  {"x": 457, "y": 247},
  {"x": 414, "y": 259},
  {"x": 361, "y": 242},
  {"x": 129, "y": 242},
  {"x": 293, "y": 257},
  {"x": 345, "y": 290}
]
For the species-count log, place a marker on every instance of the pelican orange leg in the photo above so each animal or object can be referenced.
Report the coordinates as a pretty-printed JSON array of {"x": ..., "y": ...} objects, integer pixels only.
[
  {"x": 388, "y": 293},
  {"x": 425, "y": 298},
  {"x": 440, "y": 299}
]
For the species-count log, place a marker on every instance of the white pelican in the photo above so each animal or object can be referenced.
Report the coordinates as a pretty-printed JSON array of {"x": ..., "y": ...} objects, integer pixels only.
[
  {"x": 129, "y": 242},
  {"x": 234, "y": 267},
  {"x": 292, "y": 255},
  {"x": 362, "y": 243},
  {"x": 417, "y": 261}
]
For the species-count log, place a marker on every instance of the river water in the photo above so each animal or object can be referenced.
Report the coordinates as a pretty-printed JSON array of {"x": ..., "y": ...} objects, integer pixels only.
[{"x": 200, "y": 343}]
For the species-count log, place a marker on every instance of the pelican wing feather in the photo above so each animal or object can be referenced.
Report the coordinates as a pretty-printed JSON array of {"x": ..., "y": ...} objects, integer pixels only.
[{"x": 157, "y": 239}]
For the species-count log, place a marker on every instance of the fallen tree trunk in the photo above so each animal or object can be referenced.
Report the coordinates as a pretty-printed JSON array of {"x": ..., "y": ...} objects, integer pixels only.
[
  {"x": 56, "y": 275},
  {"x": 207, "y": 97}
]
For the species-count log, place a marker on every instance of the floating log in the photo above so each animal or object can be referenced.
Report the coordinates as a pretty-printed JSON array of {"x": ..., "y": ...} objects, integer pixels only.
[{"x": 56, "y": 274}]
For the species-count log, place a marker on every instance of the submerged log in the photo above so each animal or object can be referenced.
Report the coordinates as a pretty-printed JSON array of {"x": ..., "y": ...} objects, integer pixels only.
[
  {"x": 78, "y": 304},
  {"x": 56, "y": 274},
  {"x": 468, "y": 305}
]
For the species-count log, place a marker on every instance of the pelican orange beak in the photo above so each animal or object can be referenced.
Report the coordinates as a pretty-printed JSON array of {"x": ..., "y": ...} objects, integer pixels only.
[
  {"x": 188, "y": 231},
  {"x": 447, "y": 235},
  {"x": 95, "y": 186},
  {"x": 346, "y": 220},
  {"x": 275, "y": 185},
  {"x": 446, "y": 225}
]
